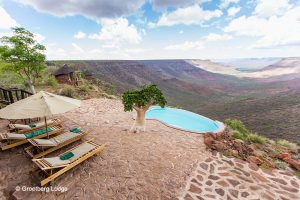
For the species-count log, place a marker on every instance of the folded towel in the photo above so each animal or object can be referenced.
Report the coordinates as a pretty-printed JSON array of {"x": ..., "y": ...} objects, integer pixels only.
[
  {"x": 33, "y": 125},
  {"x": 36, "y": 133},
  {"x": 75, "y": 130},
  {"x": 66, "y": 156}
]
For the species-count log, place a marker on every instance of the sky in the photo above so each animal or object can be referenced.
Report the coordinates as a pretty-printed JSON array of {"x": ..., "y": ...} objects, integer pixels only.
[{"x": 158, "y": 29}]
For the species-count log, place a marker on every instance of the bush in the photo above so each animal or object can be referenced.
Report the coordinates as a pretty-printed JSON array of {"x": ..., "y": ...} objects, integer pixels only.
[
  {"x": 68, "y": 91},
  {"x": 84, "y": 88},
  {"x": 49, "y": 81},
  {"x": 9, "y": 79},
  {"x": 237, "y": 125},
  {"x": 243, "y": 133},
  {"x": 287, "y": 144},
  {"x": 257, "y": 138},
  {"x": 280, "y": 164},
  {"x": 239, "y": 136}
]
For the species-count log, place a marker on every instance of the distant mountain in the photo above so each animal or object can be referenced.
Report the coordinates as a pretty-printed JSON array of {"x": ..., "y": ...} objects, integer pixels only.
[
  {"x": 282, "y": 69},
  {"x": 247, "y": 64},
  {"x": 212, "y": 89}
]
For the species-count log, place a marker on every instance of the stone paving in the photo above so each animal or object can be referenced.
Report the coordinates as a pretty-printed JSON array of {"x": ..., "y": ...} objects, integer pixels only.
[
  {"x": 219, "y": 177},
  {"x": 161, "y": 163},
  {"x": 150, "y": 165}
]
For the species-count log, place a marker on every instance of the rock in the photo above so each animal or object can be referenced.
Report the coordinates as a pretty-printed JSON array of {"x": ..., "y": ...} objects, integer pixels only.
[
  {"x": 223, "y": 183},
  {"x": 234, "y": 193},
  {"x": 258, "y": 177},
  {"x": 220, "y": 191},
  {"x": 255, "y": 160},
  {"x": 209, "y": 183},
  {"x": 245, "y": 194},
  {"x": 199, "y": 177},
  {"x": 295, "y": 184},
  {"x": 278, "y": 180},
  {"x": 213, "y": 177},
  {"x": 253, "y": 166},
  {"x": 106, "y": 122},
  {"x": 208, "y": 140},
  {"x": 188, "y": 197},
  {"x": 294, "y": 163},
  {"x": 284, "y": 156},
  {"x": 233, "y": 182},
  {"x": 204, "y": 166},
  {"x": 259, "y": 153},
  {"x": 195, "y": 189},
  {"x": 219, "y": 146}
]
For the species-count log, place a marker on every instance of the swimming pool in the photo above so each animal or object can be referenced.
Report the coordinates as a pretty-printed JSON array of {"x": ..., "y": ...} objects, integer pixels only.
[{"x": 184, "y": 120}]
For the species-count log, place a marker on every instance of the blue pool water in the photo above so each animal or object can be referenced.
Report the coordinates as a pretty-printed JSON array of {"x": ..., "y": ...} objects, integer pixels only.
[{"x": 183, "y": 119}]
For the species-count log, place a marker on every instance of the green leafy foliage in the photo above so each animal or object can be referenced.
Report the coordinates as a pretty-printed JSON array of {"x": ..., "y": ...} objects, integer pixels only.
[
  {"x": 67, "y": 91},
  {"x": 49, "y": 81},
  {"x": 150, "y": 95},
  {"x": 238, "y": 126},
  {"x": 257, "y": 138},
  {"x": 243, "y": 133},
  {"x": 23, "y": 54},
  {"x": 280, "y": 164},
  {"x": 287, "y": 144}
]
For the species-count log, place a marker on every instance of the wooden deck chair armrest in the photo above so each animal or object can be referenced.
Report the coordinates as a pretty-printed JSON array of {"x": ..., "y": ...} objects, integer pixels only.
[{"x": 3, "y": 136}]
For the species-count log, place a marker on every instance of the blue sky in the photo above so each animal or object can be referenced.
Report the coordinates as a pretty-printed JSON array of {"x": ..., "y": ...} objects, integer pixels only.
[{"x": 158, "y": 29}]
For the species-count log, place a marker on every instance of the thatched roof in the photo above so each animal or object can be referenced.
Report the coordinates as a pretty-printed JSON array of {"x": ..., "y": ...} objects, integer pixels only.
[{"x": 65, "y": 69}]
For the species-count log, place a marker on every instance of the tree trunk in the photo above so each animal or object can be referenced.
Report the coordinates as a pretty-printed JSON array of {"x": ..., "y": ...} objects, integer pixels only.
[
  {"x": 31, "y": 86},
  {"x": 140, "y": 122}
]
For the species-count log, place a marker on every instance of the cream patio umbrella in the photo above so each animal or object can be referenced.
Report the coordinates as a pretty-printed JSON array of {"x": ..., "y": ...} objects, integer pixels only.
[{"x": 41, "y": 104}]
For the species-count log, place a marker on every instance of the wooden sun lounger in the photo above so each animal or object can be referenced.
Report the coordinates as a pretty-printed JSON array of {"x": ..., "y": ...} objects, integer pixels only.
[
  {"x": 18, "y": 130},
  {"x": 56, "y": 171},
  {"x": 10, "y": 143},
  {"x": 37, "y": 150}
]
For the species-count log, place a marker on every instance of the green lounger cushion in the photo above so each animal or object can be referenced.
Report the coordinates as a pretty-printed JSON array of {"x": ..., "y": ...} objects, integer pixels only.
[
  {"x": 75, "y": 130},
  {"x": 36, "y": 133},
  {"x": 66, "y": 156}
]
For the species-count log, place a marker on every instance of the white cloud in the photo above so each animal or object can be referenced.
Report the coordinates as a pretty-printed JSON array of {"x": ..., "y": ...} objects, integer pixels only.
[
  {"x": 181, "y": 32},
  {"x": 188, "y": 45},
  {"x": 38, "y": 37},
  {"x": 136, "y": 50},
  {"x": 268, "y": 8},
  {"x": 93, "y": 9},
  {"x": 233, "y": 11},
  {"x": 77, "y": 48},
  {"x": 163, "y": 4},
  {"x": 117, "y": 31},
  {"x": 80, "y": 35},
  {"x": 213, "y": 37},
  {"x": 6, "y": 21},
  {"x": 225, "y": 3},
  {"x": 188, "y": 16},
  {"x": 271, "y": 32}
]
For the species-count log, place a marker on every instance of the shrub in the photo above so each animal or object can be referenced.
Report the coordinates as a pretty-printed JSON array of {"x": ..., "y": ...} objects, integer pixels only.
[
  {"x": 239, "y": 136},
  {"x": 237, "y": 125},
  {"x": 49, "y": 81},
  {"x": 297, "y": 174},
  {"x": 280, "y": 164},
  {"x": 257, "y": 138},
  {"x": 287, "y": 144},
  {"x": 67, "y": 91},
  {"x": 244, "y": 133},
  {"x": 84, "y": 88}
]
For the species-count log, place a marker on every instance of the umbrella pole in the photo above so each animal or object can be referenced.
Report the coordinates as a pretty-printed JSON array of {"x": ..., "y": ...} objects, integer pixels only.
[{"x": 46, "y": 127}]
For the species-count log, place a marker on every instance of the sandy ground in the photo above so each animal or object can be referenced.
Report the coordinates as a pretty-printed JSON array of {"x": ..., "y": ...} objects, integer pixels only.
[{"x": 155, "y": 164}]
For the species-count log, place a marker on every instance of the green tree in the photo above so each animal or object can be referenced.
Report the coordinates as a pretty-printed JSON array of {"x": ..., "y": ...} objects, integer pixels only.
[
  {"x": 140, "y": 101},
  {"x": 23, "y": 55}
]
